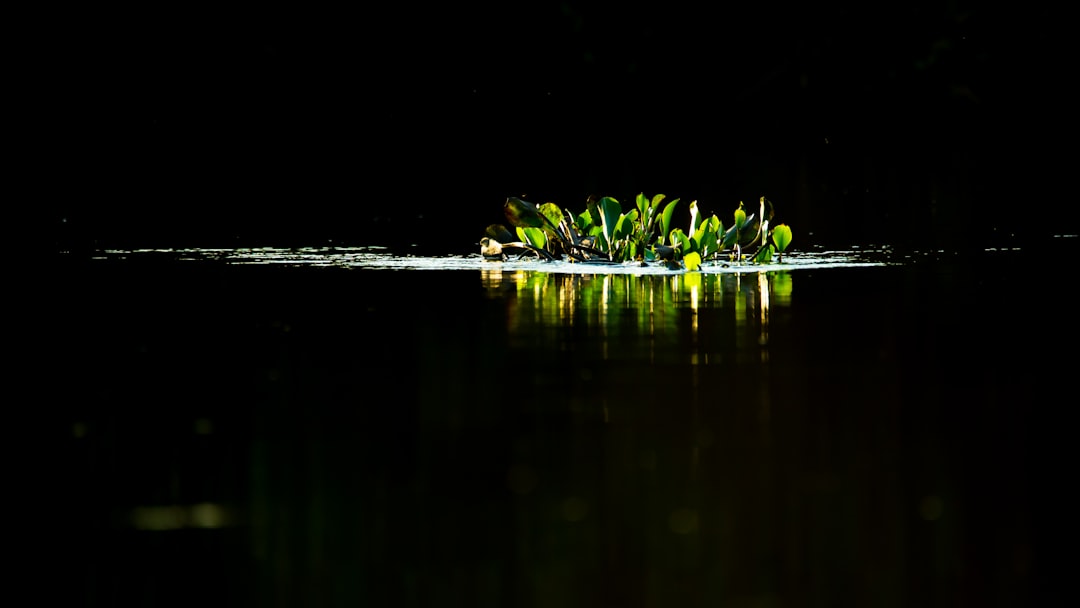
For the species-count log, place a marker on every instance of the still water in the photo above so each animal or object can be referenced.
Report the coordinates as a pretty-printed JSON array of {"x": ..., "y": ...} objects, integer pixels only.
[{"x": 351, "y": 428}]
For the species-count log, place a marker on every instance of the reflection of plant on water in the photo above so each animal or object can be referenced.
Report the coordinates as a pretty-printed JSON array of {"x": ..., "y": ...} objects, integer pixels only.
[{"x": 659, "y": 307}]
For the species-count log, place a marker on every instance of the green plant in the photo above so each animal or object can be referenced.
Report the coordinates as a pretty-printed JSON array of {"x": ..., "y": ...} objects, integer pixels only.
[{"x": 603, "y": 233}]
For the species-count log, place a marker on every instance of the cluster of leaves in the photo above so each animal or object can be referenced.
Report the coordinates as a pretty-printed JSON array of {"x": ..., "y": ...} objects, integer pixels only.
[{"x": 603, "y": 232}]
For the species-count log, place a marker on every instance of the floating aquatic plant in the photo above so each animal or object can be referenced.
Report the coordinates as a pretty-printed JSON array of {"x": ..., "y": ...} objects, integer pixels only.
[{"x": 645, "y": 233}]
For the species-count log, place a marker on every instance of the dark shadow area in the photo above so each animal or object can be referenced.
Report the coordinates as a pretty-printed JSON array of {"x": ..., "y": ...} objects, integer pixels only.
[
  {"x": 920, "y": 124},
  {"x": 260, "y": 435}
]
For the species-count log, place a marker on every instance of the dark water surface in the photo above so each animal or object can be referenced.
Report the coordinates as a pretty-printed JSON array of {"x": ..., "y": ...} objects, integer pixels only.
[{"x": 269, "y": 435}]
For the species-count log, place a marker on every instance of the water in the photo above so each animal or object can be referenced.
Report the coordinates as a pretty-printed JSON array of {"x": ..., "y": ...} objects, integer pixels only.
[{"x": 335, "y": 427}]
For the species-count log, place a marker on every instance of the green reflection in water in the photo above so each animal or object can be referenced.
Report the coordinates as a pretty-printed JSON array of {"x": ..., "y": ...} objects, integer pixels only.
[
  {"x": 668, "y": 458},
  {"x": 693, "y": 317}
]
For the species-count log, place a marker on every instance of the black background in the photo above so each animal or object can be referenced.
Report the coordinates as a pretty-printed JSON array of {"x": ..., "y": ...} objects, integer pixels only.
[{"x": 921, "y": 123}]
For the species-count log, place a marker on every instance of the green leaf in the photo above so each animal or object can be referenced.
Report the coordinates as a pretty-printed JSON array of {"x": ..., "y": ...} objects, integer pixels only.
[
  {"x": 522, "y": 214},
  {"x": 610, "y": 210},
  {"x": 665, "y": 219},
  {"x": 532, "y": 236},
  {"x": 680, "y": 241},
  {"x": 624, "y": 227},
  {"x": 764, "y": 255},
  {"x": 705, "y": 237},
  {"x": 584, "y": 222},
  {"x": 736, "y": 235},
  {"x": 597, "y": 232},
  {"x": 731, "y": 235},
  {"x": 781, "y": 235},
  {"x": 650, "y": 217},
  {"x": 553, "y": 214},
  {"x": 740, "y": 218},
  {"x": 692, "y": 260},
  {"x": 593, "y": 209},
  {"x": 641, "y": 203},
  {"x": 714, "y": 234},
  {"x": 649, "y": 214}
]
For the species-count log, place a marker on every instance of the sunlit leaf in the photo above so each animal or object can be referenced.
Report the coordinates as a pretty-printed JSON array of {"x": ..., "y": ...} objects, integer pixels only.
[
  {"x": 552, "y": 212},
  {"x": 716, "y": 225},
  {"x": 781, "y": 235},
  {"x": 705, "y": 237},
  {"x": 692, "y": 260},
  {"x": 597, "y": 234},
  {"x": 714, "y": 232},
  {"x": 610, "y": 210},
  {"x": 680, "y": 241},
  {"x": 532, "y": 236},
  {"x": 665, "y": 219},
  {"x": 584, "y": 222},
  {"x": 740, "y": 218},
  {"x": 624, "y": 227},
  {"x": 650, "y": 214}
]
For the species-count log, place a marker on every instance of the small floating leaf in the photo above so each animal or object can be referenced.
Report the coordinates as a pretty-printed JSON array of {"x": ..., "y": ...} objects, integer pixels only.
[{"x": 692, "y": 260}]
